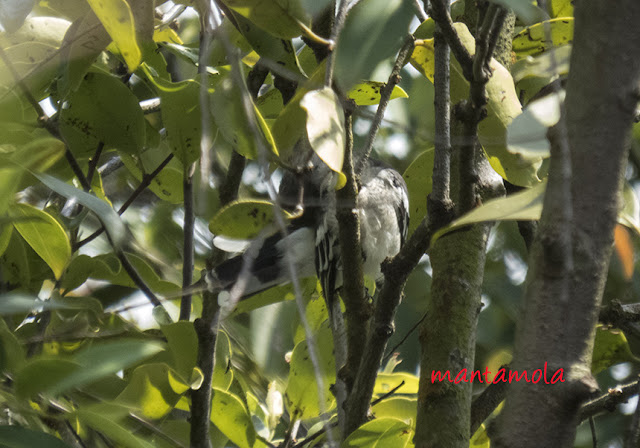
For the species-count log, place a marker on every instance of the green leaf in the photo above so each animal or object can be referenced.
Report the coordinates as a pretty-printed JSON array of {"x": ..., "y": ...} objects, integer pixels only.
[
  {"x": 527, "y": 11},
  {"x": 104, "y": 110},
  {"x": 402, "y": 408},
  {"x": 503, "y": 106},
  {"x": 230, "y": 415},
  {"x": 117, "y": 18},
  {"x": 85, "y": 39},
  {"x": 561, "y": 8},
  {"x": 182, "y": 345},
  {"x": 533, "y": 40},
  {"x": 87, "y": 366},
  {"x": 181, "y": 116},
  {"x": 630, "y": 214},
  {"x": 167, "y": 185},
  {"x": 18, "y": 303},
  {"x": 14, "y": 264},
  {"x": 104, "y": 424},
  {"x": 222, "y": 373},
  {"x": 386, "y": 382},
  {"x": 527, "y": 133},
  {"x": 325, "y": 128},
  {"x": 44, "y": 234},
  {"x": 233, "y": 123},
  {"x": 243, "y": 219},
  {"x": 32, "y": 51},
  {"x": 418, "y": 179},
  {"x": 19, "y": 437},
  {"x": 610, "y": 348},
  {"x": 554, "y": 62},
  {"x": 282, "y": 19},
  {"x": 381, "y": 433},
  {"x": 525, "y": 205},
  {"x": 154, "y": 389},
  {"x": 302, "y": 395},
  {"x": 373, "y": 32},
  {"x": 480, "y": 439},
  {"x": 12, "y": 351},
  {"x": 367, "y": 93},
  {"x": 5, "y": 236},
  {"x": 107, "y": 216}
]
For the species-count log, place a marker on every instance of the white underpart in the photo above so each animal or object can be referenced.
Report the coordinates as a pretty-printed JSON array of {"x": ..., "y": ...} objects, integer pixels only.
[{"x": 299, "y": 247}]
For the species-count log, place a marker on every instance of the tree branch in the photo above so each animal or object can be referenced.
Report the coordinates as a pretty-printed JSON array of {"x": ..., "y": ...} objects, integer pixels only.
[
  {"x": 440, "y": 14},
  {"x": 385, "y": 94},
  {"x": 609, "y": 401},
  {"x": 187, "y": 255},
  {"x": 146, "y": 181}
]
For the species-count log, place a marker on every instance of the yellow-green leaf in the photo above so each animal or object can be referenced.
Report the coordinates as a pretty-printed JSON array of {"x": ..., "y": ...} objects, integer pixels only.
[
  {"x": 230, "y": 415},
  {"x": 385, "y": 382},
  {"x": 117, "y": 19},
  {"x": 284, "y": 19},
  {"x": 418, "y": 179},
  {"x": 44, "y": 234},
  {"x": 381, "y": 433},
  {"x": 367, "y": 93},
  {"x": 533, "y": 40},
  {"x": 610, "y": 347}
]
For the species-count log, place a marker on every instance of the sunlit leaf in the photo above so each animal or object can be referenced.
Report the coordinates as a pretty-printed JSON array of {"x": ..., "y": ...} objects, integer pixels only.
[
  {"x": 325, "y": 128},
  {"x": 480, "y": 439},
  {"x": 561, "y": 8},
  {"x": 533, "y": 39},
  {"x": 117, "y": 18},
  {"x": 502, "y": 107},
  {"x": 386, "y": 382},
  {"x": 402, "y": 408},
  {"x": 243, "y": 219},
  {"x": 367, "y": 93},
  {"x": 230, "y": 415},
  {"x": 44, "y": 234},
  {"x": 381, "y": 433},
  {"x": 182, "y": 345},
  {"x": 373, "y": 32}
]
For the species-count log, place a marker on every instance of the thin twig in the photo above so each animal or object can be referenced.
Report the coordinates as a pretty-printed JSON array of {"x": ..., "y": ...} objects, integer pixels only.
[
  {"x": 594, "y": 434},
  {"x": 388, "y": 394},
  {"x": 609, "y": 401},
  {"x": 146, "y": 181},
  {"x": 404, "y": 339},
  {"x": 385, "y": 94},
  {"x": 338, "y": 24},
  {"x": 440, "y": 14},
  {"x": 75, "y": 167},
  {"x": 188, "y": 254},
  {"x": 137, "y": 280},
  {"x": 93, "y": 163}
]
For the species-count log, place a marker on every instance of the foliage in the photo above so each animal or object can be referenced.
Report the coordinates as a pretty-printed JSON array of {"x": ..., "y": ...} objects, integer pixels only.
[{"x": 83, "y": 356}]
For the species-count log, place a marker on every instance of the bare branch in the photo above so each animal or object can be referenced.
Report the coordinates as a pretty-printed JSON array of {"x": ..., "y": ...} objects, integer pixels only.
[{"x": 440, "y": 14}]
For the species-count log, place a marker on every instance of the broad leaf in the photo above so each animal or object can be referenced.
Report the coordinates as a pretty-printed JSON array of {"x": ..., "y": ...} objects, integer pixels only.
[
  {"x": 610, "y": 347},
  {"x": 503, "y": 106},
  {"x": 385, "y": 382},
  {"x": 44, "y": 234},
  {"x": 282, "y": 19},
  {"x": 381, "y": 433},
  {"x": 243, "y": 219},
  {"x": 402, "y": 408},
  {"x": 109, "y": 218},
  {"x": 117, "y": 18},
  {"x": 533, "y": 39},
  {"x": 105, "y": 424},
  {"x": 373, "y": 32},
  {"x": 103, "y": 110},
  {"x": 305, "y": 390},
  {"x": 325, "y": 128},
  {"x": 230, "y": 415},
  {"x": 418, "y": 179},
  {"x": 18, "y": 437},
  {"x": 367, "y": 93},
  {"x": 527, "y": 11}
]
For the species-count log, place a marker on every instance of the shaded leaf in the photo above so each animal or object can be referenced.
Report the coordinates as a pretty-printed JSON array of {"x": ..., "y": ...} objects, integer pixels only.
[
  {"x": 302, "y": 395},
  {"x": 19, "y": 437},
  {"x": 104, "y": 424},
  {"x": 104, "y": 110},
  {"x": 282, "y": 19},
  {"x": 182, "y": 345},
  {"x": 108, "y": 217},
  {"x": 610, "y": 347},
  {"x": 553, "y": 62},
  {"x": 243, "y": 219},
  {"x": 418, "y": 179},
  {"x": 527, "y": 11},
  {"x": 44, "y": 234},
  {"x": 373, "y": 31}
]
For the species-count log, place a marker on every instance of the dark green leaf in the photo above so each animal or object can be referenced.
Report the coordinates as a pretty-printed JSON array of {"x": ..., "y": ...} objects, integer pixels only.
[{"x": 19, "y": 437}]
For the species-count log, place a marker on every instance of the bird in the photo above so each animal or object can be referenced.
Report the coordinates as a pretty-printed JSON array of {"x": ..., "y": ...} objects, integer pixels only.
[{"x": 311, "y": 242}]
